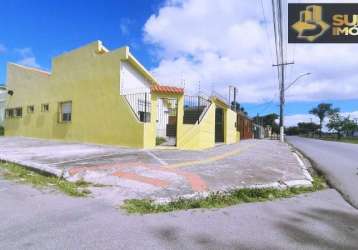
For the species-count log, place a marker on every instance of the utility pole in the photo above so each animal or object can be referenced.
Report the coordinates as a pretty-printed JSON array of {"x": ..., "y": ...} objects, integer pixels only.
[
  {"x": 282, "y": 96},
  {"x": 279, "y": 43}
]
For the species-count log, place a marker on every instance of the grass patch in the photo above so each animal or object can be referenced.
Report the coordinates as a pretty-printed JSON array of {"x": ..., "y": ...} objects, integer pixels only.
[
  {"x": 18, "y": 173},
  {"x": 344, "y": 139},
  {"x": 219, "y": 200},
  {"x": 159, "y": 140},
  {"x": 353, "y": 140}
]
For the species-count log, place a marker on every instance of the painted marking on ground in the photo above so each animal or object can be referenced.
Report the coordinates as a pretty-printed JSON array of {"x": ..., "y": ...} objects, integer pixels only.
[
  {"x": 210, "y": 159},
  {"x": 141, "y": 178},
  {"x": 86, "y": 159},
  {"x": 299, "y": 160},
  {"x": 161, "y": 161},
  {"x": 304, "y": 168},
  {"x": 105, "y": 167},
  {"x": 196, "y": 182}
]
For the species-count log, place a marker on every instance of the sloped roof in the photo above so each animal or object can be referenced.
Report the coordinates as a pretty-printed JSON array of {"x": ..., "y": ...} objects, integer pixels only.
[{"x": 167, "y": 89}]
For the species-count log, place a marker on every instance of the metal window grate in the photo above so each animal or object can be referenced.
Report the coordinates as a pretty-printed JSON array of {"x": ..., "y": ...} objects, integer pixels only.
[
  {"x": 194, "y": 107},
  {"x": 141, "y": 105}
]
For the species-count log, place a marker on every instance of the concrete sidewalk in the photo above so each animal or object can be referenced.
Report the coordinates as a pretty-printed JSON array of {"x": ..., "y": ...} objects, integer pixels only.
[{"x": 160, "y": 174}]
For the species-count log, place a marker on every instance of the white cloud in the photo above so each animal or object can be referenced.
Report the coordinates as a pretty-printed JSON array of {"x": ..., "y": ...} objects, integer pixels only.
[
  {"x": 225, "y": 42},
  {"x": 292, "y": 120},
  {"x": 27, "y": 57},
  {"x": 2, "y": 48},
  {"x": 124, "y": 26}
]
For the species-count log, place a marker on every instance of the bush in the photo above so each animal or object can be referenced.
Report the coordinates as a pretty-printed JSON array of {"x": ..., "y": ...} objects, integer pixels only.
[
  {"x": 2, "y": 130},
  {"x": 159, "y": 140}
]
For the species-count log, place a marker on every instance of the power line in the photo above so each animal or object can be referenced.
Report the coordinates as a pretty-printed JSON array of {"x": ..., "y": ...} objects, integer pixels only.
[
  {"x": 280, "y": 56},
  {"x": 266, "y": 30}
]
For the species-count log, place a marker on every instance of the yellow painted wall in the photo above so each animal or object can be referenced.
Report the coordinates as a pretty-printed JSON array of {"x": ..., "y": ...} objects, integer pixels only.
[
  {"x": 230, "y": 132},
  {"x": 198, "y": 136},
  {"x": 90, "y": 78}
]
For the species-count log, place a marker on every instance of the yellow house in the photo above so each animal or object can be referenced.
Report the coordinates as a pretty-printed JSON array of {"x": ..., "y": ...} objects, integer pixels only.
[{"x": 107, "y": 97}]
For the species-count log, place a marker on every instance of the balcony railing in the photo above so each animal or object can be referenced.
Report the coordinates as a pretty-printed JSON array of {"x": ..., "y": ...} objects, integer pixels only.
[
  {"x": 194, "y": 109},
  {"x": 140, "y": 104}
]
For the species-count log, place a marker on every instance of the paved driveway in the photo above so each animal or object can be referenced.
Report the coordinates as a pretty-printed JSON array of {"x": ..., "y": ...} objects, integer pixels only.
[
  {"x": 339, "y": 162},
  {"x": 158, "y": 173}
]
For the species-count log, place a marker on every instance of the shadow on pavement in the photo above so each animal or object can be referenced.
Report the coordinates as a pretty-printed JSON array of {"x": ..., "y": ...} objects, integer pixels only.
[
  {"x": 174, "y": 238},
  {"x": 325, "y": 228}
]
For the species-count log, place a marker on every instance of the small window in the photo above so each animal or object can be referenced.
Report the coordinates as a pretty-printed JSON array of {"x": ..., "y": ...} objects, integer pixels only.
[
  {"x": 18, "y": 112},
  {"x": 45, "y": 107},
  {"x": 9, "y": 113},
  {"x": 30, "y": 109},
  {"x": 66, "y": 111}
]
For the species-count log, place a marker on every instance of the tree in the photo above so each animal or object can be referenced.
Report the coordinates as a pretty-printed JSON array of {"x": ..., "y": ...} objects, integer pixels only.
[
  {"x": 322, "y": 111},
  {"x": 268, "y": 120},
  {"x": 307, "y": 127},
  {"x": 235, "y": 105},
  {"x": 304, "y": 128},
  {"x": 292, "y": 130},
  {"x": 336, "y": 122},
  {"x": 349, "y": 126}
]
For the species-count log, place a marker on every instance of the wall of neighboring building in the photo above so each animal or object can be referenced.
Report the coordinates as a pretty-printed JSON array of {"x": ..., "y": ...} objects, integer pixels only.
[
  {"x": 230, "y": 132},
  {"x": 244, "y": 126},
  {"x": 132, "y": 81},
  {"x": 3, "y": 95},
  {"x": 90, "y": 78}
]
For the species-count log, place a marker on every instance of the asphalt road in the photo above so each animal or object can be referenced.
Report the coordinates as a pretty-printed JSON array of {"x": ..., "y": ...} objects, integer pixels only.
[
  {"x": 34, "y": 219},
  {"x": 337, "y": 160}
]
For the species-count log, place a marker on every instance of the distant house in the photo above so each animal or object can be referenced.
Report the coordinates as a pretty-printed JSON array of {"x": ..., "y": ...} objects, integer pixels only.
[{"x": 107, "y": 97}]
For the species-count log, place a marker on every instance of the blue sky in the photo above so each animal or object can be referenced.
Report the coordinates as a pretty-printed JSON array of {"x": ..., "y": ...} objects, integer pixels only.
[
  {"x": 191, "y": 43},
  {"x": 49, "y": 28}
]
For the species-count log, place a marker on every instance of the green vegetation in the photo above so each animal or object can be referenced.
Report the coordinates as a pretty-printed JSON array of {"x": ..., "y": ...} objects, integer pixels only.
[
  {"x": 219, "y": 200},
  {"x": 1, "y": 130},
  {"x": 303, "y": 128},
  {"x": 322, "y": 111},
  {"x": 159, "y": 140},
  {"x": 343, "y": 127},
  {"x": 268, "y": 120},
  {"x": 343, "y": 139},
  {"x": 18, "y": 173}
]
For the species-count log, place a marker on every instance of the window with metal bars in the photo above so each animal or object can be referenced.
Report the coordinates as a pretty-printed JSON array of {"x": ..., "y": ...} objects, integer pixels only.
[{"x": 66, "y": 111}]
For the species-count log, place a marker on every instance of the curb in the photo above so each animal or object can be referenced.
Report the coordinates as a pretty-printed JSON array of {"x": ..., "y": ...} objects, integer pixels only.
[
  {"x": 202, "y": 195},
  {"x": 43, "y": 169}
]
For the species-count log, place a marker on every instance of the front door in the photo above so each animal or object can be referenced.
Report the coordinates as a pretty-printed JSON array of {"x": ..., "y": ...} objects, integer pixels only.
[{"x": 219, "y": 125}]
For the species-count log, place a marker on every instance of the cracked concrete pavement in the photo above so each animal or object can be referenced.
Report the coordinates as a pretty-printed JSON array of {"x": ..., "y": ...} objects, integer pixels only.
[{"x": 160, "y": 174}]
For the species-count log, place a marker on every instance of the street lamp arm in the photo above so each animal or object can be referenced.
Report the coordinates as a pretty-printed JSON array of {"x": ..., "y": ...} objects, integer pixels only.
[{"x": 299, "y": 77}]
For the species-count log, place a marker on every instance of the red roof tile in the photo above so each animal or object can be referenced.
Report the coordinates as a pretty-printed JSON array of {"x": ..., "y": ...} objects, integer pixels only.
[{"x": 167, "y": 89}]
